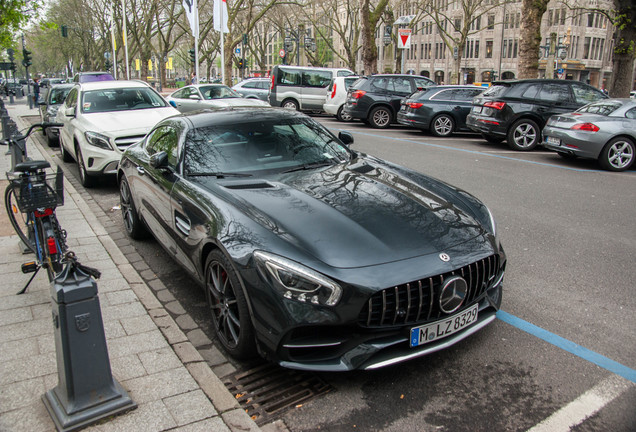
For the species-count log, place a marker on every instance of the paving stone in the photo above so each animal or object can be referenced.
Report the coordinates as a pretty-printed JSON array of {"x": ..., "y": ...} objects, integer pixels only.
[
  {"x": 156, "y": 285},
  {"x": 168, "y": 327},
  {"x": 238, "y": 420},
  {"x": 121, "y": 297},
  {"x": 113, "y": 329},
  {"x": 15, "y": 316},
  {"x": 186, "y": 322},
  {"x": 187, "y": 353},
  {"x": 275, "y": 426},
  {"x": 17, "y": 349},
  {"x": 175, "y": 308},
  {"x": 148, "y": 417},
  {"x": 147, "y": 274},
  {"x": 123, "y": 311},
  {"x": 130, "y": 274},
  {"x": 189, "y": 407},
  {"x": 127, "y": 367},
  {"x": 26, "y": 329},
  {"x": 27, "y": 368},
  {"x": 213, "y": 387},
  {"x": 137, "y": 343},
  {"x": 146, "y": 296},
  {"x": 213, "y": 356},
  {"x": 140, "y": 324},
  {"x": 159, "y": 360},
  {"x": 198, "y": 338},
  {"x": 224, "y": 369},
  {"x": 161, "y": 385},
  {"x": 165, "y": 296},
  {"x": 214, "y": 424},
  {"x": 33, "y": 417}
]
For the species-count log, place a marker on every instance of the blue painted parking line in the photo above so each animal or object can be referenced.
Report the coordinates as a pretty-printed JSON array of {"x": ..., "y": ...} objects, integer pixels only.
[
  {"x": 478, "y": 152},
  {"x": 569, "y": 346}
]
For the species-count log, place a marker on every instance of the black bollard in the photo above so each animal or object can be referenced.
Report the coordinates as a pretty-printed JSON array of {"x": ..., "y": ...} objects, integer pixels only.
[{"x": 86, "y": 390}]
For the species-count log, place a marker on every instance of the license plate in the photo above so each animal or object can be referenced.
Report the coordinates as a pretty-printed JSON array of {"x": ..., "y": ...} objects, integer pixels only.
[
  {"x": 476, "y": 109},
  {"x": 553, "y": 141},
  {"x": 442, "y": 328}
]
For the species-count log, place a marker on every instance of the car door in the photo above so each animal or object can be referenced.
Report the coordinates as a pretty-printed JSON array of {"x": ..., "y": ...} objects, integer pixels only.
[
  {"x": 187, "y": 99},
  {"x": 152, "y": 185},
  {"x": 462, "y": 102},
  {"x": 553, "y": 98},
  {"x": 314, "y": 87}
]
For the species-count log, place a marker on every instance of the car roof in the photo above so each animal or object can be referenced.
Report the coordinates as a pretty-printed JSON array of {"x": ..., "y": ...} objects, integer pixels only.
[
  {"x": 233, "y": 115},
  {"x": 101, "y": 85}
]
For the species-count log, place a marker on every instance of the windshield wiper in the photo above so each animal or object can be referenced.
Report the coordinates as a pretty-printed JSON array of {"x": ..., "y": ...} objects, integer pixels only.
[
  {"x": 308, "y": 166},
  {"x": 219, "y": 174}
]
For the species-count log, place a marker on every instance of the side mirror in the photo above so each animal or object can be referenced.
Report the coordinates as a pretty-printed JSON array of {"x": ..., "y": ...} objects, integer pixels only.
[
  {"x": 159, "y": 160},
  {"x": 173, "y": 103},
  {"x": 69, "y": 112},
  {"x": 346, "y": 138}
]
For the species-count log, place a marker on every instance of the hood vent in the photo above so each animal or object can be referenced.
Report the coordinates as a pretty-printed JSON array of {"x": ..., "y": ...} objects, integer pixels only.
[
  {"x": 240, "y": 186},
  {"x": 362, "y": 169}
]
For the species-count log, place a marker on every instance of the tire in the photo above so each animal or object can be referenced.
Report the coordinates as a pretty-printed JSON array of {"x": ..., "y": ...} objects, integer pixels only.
[
  {"x": 133, "y": 224},
  {"x": 618, "y": 154},
  {"x": 380, "y": 117},
  {"x": 86, "y": 180},
  {"x": 492, "y": 139},
  {"x": 343, "y": 117},
  {"x": 52, "y": 142},
  {"x": 443, "y": 125},
  {"x": 228, "y": 307},
  {"x": 66, "y": 156},
  {"x": 290, "y": 104},
  {"x": 524, "y": 135},
  {"x": 19, "y": 221}
]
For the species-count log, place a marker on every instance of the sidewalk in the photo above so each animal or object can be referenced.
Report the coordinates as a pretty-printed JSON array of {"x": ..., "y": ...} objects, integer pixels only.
[{"x": 150, "y": 356}]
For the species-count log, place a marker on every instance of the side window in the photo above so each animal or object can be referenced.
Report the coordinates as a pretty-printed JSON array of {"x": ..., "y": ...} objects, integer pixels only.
[
  {"x": 531, "y": 92},
  {"x": 465, "y": 95},
  {"x": 554, "y": 93},
  {"x": 193, "y": 92},
  {"x": 164, "y": 138},
  {"x": 288, "y": 77},
  {"x": 313, "y": 78},
  {"x": 444, "y": 95},
  {"x": 380, "y": 83},
  {"x": 250, "y": 84},
  {"x": 180, "y": 94},
  {"x": 585, "y": 95},
  {"x": 71, "y": 99},
  {"x": 264, "y": 85},
  {"x": 402, "y": 85},
  {"x": 422, "y": 83}
]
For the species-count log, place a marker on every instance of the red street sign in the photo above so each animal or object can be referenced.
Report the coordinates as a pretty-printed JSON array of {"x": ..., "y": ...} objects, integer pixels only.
[
  {"x": 281, "y": 53},
  {"x": 404, "y": 38}
]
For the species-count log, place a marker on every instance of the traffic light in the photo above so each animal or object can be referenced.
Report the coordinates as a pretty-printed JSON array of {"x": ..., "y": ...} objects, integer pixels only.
[
  {"x": 193, "y": 56},
  {"x": 107, "y": 64},
  {"x": 26, "y": 58},
  {"x": 244, "y": 38},
  {"x": 241, "y": 64},
  {"x": 64, "y": 30}
]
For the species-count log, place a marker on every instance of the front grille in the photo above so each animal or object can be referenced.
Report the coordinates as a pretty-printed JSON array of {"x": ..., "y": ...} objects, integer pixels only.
[
  {"x": 418, "y": 301},
  {"x": 123, "y": 143}
]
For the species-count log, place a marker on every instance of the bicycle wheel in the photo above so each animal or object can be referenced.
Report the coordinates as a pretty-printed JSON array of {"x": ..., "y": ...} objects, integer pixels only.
[
  {"x": 53, "y": 244},
  {"x": 22, "y": 223}
]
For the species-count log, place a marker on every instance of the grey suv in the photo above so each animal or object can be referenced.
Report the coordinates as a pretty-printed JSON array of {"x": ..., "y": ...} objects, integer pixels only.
[
  {"x": 253, "y": 88},
  {"x": 517, "y": 110}
]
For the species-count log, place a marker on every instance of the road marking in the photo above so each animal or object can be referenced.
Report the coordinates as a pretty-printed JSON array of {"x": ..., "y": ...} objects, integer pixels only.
[
  {"x": 585, "y": 406},
  {"x": 569, "y": 346},
  {"x": 477, "y": 152}
]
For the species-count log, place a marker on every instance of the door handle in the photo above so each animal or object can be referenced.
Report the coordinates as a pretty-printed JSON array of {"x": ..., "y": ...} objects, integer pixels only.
[{"x": 141, "y": 170}]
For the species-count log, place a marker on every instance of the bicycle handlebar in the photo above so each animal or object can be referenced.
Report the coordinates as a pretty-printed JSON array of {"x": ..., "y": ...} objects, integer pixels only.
[{"x": 36, "y": 125}]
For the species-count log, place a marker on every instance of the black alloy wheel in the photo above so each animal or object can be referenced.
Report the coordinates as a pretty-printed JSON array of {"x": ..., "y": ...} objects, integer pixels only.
[
  {"x": 228, "y": 307},
  {"x": 133, "y": 224}
]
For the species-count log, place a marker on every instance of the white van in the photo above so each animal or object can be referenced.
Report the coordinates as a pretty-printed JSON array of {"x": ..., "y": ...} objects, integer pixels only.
[{"x": 302, "y": 88}]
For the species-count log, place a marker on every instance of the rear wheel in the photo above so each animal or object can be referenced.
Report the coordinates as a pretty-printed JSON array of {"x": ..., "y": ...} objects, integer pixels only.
[
  {"x": 380, "y": 117},
  {"x": 343, "y": 116},
  {"x": 618, "y": 154},
  {"x": 228, "y": 307},
  {"x": 21, "y": 222},
  {"x": 443, "y": 125},
  {"x": 524, "y": 135},
  {"x": 290, "y": 104}
]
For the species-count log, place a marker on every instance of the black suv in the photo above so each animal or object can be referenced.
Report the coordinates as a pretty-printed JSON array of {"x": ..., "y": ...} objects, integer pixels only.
[
  {"x": 517, "y": 110},
  {"x": 376, "y": 99}
]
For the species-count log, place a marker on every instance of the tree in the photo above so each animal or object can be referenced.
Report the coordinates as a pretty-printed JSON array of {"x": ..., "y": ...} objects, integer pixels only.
[
  {"x": 624, "y": 48},
  {"x": 13, "y": 15},
  {"x": 370, "y": 16},
  {"x": 530, "y": 41}
]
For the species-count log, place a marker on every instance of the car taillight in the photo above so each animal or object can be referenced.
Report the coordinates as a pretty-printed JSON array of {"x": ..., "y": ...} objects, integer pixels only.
[
  {"x": 414, "y": 105},
  {"x": 333, "y": 92},
  {"x": 587, "y": 127},
  {"x": 495, "y": 105},
  {"x": 358, "y": 94},
  {"x": 273, "y": 81}
]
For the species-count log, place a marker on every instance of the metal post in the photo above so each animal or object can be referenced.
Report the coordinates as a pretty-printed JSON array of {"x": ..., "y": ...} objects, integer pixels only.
[{"x": 86, "y": 390}]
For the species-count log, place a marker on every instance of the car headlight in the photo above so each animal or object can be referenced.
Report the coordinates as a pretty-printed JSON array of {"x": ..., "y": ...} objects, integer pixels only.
[
  {"x": 294, "y": 281},
  {"x": 98, "y": 140}
]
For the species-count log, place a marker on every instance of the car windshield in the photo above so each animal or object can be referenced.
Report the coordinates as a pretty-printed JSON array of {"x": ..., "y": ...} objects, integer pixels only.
[
  {"x": 58, "y": 95},
  {"x": 120, "y": 99},
  {"x": 218, "y": 92},
  {"x": 261, "y": 145},
  {"x": 603, "y": 107}
]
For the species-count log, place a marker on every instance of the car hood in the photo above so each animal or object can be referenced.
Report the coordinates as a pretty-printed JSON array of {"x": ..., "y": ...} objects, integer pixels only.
[
  {"x": 232, "y": 102},
  {"x": 128, "y": 122},
  {"x": 356, "y": 215}
]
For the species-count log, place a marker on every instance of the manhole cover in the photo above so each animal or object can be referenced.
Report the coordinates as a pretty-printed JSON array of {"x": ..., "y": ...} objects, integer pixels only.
[{"x": 267, "y": 391}]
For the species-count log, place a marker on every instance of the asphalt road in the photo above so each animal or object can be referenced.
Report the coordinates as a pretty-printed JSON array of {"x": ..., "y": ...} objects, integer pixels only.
[{"x": 565, "y": 342}]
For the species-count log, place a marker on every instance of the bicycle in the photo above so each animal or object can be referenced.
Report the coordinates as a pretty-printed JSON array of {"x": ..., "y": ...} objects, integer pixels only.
[{"x": 31, "y": 200}]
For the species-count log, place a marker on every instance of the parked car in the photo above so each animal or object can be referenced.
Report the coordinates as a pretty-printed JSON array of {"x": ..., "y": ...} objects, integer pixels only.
[
  {"x": 199, "y": 96},
  {"x": 102, "y": 119},
  {"x": 83, "y": 77},
  {"x": 603, "y": 130},
  {"x": 301, "y": 87},
  {"x": 441, "y": 110},
  {"x": 376, "y": 99},
  {"x": 326, "y": 258},
  {"x": 337, "y": 96},
  {"x": 49, "y": 106},
  {"x": 517, "y": 110},
  {"x": 253, "y": 88},
  {"x": 47, "y": 83}
]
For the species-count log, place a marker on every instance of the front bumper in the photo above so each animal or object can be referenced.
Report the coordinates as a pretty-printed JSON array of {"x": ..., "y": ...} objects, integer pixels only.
[{"x": 100, "y": 161}]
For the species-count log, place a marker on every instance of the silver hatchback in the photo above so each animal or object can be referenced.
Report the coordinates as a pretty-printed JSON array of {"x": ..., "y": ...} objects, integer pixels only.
[{"x": 604, "y": 130}]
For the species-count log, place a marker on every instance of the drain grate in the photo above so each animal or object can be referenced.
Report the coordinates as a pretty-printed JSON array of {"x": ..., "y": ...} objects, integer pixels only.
[{"x": 268, "y": 390}]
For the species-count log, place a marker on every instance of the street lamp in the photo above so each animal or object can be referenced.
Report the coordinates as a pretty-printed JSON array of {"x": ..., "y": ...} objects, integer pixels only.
[{"x": 294, "y": 36}]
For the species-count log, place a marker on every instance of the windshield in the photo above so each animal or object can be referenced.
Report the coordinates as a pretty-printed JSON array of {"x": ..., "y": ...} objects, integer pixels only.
[
  {"x": 261, "y": 145},
  {"x": 218, "y": 92},
  {"x": 603, "y": 107},
  {"x": 121, "y": 99}
]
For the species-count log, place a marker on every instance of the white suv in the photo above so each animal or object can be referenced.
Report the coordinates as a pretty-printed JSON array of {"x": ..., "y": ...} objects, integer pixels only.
[
  {"x": 337, "y": 96},
  {"x": 102, "y": 119}
]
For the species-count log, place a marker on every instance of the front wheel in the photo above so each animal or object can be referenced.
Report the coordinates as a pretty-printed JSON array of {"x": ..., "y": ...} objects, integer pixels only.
[
  {"x": 133, "y": 224},
  {"x": 86, "y": 180},
  {"x": 443, "y": 125},
  {"x": 618, "y": 154},
  {"x": 290, "y": 104},
  {"x": 380, "y": 117},
  {"x": 524, "y": 135},
  {"x": 66, "y": 156},
  {"x": 22, "y": 223},
  {"x": 228, "y": 306}
]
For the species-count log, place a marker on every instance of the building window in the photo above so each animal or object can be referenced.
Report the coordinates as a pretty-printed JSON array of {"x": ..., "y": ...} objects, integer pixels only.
[
  {"x": 504, "y": 52},
  {"x": 590, "y": 20},
  {"x": 489, "y": 46},
  {"x": 549, "y": 18},
  {"x": 458, "y": 24},
  {"x": 586, "y": 48},
  {"x": 562, "y": 16},
  {"x": 491, "y": 22}
]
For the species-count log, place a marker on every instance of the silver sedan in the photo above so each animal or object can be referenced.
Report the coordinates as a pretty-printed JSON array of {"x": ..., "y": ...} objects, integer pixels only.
[
  {"x": 603, "y": 130},
  {"x": 200, "y": 96}
]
